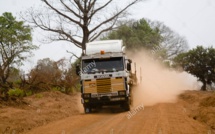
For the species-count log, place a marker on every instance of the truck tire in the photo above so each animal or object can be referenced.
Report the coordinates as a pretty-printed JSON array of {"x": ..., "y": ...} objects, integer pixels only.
[
  {"x": 87, "y": 109},
  {"x": 126, "y": 105}
]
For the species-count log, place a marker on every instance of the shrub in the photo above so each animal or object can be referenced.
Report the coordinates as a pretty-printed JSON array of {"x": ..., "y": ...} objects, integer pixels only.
[
  {"x": 38, "y": 95},
  {"x": 56, "y": 89},
  {"x": 16, "y": 92},
  {"x": 28, "y": 93}
]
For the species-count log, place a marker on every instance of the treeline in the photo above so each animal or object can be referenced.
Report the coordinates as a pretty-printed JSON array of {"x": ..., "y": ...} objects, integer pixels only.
[
  {"x": 79, "y": 22},
  {"x": 47, "y": 75},
  {"x": 15, "y": 47},
  {"x": 200, "y": 62},
  {"x": 166, "y": 45}
]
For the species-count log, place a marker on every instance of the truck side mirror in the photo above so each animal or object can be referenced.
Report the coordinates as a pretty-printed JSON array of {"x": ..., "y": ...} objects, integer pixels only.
[
  {"x": 77, "y": 70},
  {"x": 129, "y": 60},
  {"x": 129, "y": 66}
]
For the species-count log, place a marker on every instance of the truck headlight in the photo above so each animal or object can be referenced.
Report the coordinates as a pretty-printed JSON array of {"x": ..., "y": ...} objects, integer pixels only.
[
  {"x": 122, "y": 93},
  {"x": 86, "y": 95}
]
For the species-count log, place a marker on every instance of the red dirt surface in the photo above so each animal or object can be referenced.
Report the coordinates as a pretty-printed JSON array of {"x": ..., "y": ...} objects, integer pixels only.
[
  {"x": 57, "y": 113},
  {"x": 22, "y": 115}
]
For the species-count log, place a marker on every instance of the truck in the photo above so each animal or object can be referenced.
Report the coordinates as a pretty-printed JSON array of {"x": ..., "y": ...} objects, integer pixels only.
[{"x": 106, "y": 76}]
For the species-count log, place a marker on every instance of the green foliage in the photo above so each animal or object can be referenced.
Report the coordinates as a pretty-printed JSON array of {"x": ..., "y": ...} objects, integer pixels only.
[
  {"x": 16, "y": 92},
  {"x": 160, "y": 40},
  {"x": 77, "y": 87},
  {"x": 14, "y": 36},
  {"x": 199, "y": 62},
  {"x": 15, "y": 45},
  {"x": 167, "y": 63},
  {"x": 13, "y": 31},
  {"x": 56, "y": 89},
  {"x": 28, "y": 93},
  {"x": 137, "y": 35},
  {"x": 14, "y": 75}
]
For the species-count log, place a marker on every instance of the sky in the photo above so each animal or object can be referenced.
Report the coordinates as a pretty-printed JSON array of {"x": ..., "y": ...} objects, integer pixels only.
[{"x": 192, "y": 19}]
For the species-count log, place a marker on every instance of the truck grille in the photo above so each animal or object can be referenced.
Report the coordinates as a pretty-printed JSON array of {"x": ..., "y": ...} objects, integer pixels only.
[
  {"x": 106, "y": 85},
  {"x": 103, "y": 85}
]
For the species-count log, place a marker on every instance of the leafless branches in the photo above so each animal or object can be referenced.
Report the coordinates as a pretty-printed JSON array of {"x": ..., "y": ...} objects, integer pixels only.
[
  {"x": 172, "y": 42},
  {"x": 77, "y": 21}
]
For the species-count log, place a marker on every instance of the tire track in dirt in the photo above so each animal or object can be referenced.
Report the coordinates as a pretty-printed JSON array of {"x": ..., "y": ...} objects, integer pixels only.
[{"x": 166, "y": 118}]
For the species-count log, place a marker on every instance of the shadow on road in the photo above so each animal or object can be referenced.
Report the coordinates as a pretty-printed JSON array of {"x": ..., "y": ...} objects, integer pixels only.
[{"x": 108, "y": 110}]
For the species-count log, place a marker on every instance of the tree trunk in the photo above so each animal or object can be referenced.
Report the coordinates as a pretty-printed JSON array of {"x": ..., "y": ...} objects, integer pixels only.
[
  {"x": 85, "y": 40},
  {"x": 203, "y": 88}
]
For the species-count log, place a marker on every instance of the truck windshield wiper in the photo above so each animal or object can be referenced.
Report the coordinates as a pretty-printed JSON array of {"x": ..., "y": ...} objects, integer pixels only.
[
  {"x": 112, "y": 70},
  {"x": 109, "y": 71},
  {"x": 91, "y": 72}
]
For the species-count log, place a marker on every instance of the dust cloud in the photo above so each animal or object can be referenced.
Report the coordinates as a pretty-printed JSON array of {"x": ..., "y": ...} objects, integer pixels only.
[{"x": 159, "y": 84}]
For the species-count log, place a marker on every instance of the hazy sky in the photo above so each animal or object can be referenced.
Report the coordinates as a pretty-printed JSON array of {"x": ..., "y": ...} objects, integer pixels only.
[{"x": 193, "y": 19}]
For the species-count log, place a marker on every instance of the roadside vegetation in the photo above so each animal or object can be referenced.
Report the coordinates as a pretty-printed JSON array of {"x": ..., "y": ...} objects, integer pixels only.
[
  {"x": 47, "y": 92},
  {"x": 199, "y": 62},
  {"x": 81, "y": 16},
  {"x": 15, "y": 46}
]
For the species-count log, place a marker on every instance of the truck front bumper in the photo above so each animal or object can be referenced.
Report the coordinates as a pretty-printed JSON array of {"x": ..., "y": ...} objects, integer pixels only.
[{"x": 106, "y": 99}]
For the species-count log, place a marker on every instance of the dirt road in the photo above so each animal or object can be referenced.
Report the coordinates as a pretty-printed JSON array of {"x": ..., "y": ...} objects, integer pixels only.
[
  {"x": 158, "y": 119},
  {"x": 57, "y": 113}
]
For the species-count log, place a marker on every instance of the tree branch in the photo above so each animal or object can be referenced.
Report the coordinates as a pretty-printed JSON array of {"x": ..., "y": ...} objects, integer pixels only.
[
  {"x": 43, "y": 27},
  {"x": 102, "y": 31},
  {"x": 100, "y": 8},
  {"x": 114, "y": 16},
  {"x": 77, "y": 15},
  {"x": 62, "y": 14}
]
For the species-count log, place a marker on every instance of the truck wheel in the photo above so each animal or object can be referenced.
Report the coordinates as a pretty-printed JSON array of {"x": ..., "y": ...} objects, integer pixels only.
[
  {"x": 87, "y": 109},
  {"x": 126, "y": 106}
]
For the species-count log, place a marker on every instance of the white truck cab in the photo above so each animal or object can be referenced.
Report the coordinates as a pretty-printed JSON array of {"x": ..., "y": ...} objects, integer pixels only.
[{"x": 106, "y": 77}]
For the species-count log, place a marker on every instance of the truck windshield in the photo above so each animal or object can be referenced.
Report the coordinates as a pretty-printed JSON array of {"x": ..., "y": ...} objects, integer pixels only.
[{"x": 102, "y": 65}]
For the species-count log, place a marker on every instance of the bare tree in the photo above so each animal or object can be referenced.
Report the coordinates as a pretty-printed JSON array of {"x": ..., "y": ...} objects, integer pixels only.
[
  {"x": 77, "y": 21},
  {"x": 172, "y": 42}
]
